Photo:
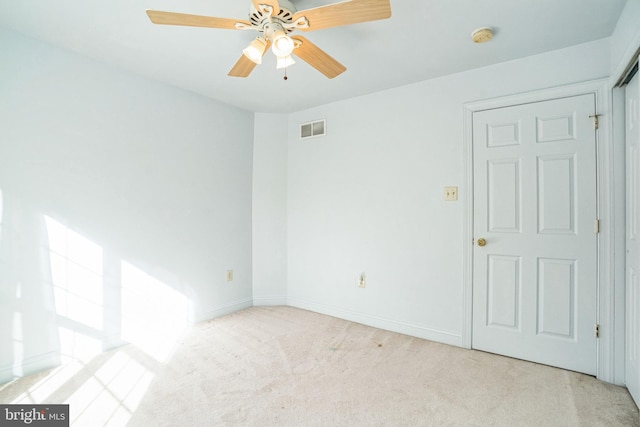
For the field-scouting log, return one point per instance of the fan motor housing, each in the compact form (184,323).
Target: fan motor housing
(259,19)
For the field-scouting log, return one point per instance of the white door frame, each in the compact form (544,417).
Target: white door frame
(608,293)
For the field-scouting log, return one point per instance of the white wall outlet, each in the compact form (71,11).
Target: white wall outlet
(450,193)
(362,281)
(229,275)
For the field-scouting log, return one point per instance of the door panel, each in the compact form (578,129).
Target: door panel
(504,291)
(534,283)
(559,128)
(556,298)
(504,196)
(556,194)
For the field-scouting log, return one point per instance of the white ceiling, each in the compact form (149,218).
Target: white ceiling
(423,39)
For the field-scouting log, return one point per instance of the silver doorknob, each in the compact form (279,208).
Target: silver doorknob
(481,242)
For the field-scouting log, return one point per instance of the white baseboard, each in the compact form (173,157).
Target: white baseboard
(29,366)
(270,300)
(223,310)
(419,331)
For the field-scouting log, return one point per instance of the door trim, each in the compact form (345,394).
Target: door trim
(607,345)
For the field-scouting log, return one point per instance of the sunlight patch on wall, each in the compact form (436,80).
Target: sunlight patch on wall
(18,341)
(154,315)
(77,278)
(104,389)
(75,345)
(76,274)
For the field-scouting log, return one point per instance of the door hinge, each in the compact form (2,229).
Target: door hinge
(596,226)
(595,120)
(597,330)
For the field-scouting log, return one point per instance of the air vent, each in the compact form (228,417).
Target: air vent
(313,129)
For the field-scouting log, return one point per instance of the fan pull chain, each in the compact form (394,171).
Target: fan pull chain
(285,74)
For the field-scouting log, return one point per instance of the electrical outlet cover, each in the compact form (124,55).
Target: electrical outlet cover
(451,193)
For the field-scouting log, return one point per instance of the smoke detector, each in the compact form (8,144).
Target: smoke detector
(482,35)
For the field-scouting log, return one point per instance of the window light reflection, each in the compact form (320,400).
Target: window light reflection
(154,315)
(76,274)
(18,343)
(139,309)
(75,345)
(44,388)
(112,394)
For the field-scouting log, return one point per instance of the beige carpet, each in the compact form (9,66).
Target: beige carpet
(281,366)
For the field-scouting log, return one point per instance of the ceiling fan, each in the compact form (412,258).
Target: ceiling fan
(275,20)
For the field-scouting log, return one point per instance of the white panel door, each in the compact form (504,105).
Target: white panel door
(632,340)
(534,281)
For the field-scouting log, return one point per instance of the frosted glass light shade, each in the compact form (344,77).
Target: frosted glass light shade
(255,50)
(284,61)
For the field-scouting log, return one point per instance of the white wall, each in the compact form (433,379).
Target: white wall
(270,209)
(368,197)
(155,177)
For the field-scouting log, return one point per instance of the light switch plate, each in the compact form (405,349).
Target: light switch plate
(450,193)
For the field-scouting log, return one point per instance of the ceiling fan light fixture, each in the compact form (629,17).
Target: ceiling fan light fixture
(275,20)
(284,62)
(282,44)
(255,50)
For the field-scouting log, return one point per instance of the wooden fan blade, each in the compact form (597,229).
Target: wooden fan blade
(318,58)
(273,3)
(345,13)
(172,18)
(244,66)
